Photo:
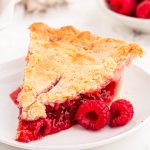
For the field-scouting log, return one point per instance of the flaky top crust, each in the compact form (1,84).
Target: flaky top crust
(64,62)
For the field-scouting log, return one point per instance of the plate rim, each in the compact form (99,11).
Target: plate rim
(80,146)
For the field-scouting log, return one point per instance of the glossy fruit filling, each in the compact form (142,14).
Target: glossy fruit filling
(61,116)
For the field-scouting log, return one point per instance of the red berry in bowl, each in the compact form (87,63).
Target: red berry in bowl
(139,1)
(121,112)
(143,10)
(93,115)
(125,7)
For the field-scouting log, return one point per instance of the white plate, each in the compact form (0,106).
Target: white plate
(135,87)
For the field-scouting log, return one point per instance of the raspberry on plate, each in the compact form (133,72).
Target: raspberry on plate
(143,10)
(121,112)
(93,115)
(125,7)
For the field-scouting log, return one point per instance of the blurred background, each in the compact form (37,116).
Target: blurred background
(17,15)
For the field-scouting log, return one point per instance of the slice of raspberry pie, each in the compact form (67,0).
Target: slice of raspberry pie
(64,68)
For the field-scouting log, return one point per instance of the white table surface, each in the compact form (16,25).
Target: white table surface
(85,15)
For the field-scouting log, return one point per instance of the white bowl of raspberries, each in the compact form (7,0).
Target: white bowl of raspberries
(132,13)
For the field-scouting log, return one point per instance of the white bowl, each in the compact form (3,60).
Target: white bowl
(138,24)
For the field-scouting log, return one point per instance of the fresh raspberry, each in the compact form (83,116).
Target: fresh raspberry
(121,112)
(125,7)
(93,115)
(139,1)
(143,10)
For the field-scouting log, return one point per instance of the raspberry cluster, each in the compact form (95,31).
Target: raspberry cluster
(95,114)
(136,8)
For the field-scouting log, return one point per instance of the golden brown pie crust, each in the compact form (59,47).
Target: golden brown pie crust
(64,62)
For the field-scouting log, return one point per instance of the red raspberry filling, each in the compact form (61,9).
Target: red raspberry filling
(14,95)
(60,116)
